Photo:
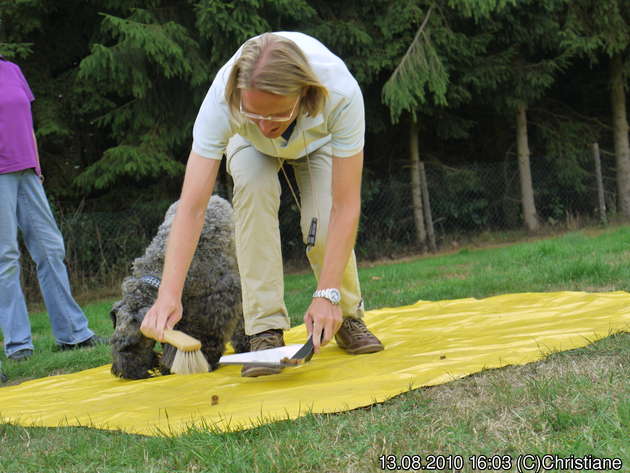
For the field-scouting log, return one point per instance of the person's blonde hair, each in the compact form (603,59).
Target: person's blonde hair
(276,65)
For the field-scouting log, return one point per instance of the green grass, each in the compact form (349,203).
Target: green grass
(572,403)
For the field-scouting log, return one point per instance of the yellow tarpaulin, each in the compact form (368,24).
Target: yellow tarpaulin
(427,343)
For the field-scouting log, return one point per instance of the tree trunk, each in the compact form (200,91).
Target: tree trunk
(620,131)
(601,201)
(416,186)
(428,215)
(525,173)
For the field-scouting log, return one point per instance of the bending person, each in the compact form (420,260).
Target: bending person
(282,98)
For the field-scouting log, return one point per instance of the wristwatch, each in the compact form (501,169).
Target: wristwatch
(331,294)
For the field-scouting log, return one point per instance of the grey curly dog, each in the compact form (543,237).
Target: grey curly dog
(211,298)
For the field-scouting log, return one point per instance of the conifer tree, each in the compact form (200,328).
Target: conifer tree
(153,65)
(600,30)
(436,73)
(420,68)
(522,62)
(145,68)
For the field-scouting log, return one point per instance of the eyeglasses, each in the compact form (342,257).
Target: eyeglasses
(269,118)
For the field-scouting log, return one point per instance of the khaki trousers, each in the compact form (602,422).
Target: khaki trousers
(256,202)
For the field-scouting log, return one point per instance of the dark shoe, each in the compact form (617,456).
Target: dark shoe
(93,341)
(263,341)
(356,339)
(21,355)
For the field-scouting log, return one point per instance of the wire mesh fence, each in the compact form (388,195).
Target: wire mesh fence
(465,200)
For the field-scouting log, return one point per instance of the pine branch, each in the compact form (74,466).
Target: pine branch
(412,46)
(419,70)
(16,50)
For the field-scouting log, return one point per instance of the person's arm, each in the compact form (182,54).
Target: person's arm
(201,174)
(29,94)
(324,318)
(39,166)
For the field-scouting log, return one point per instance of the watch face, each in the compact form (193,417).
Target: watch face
(335,296)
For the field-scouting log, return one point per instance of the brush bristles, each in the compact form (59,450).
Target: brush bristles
(189,362)
(188,358)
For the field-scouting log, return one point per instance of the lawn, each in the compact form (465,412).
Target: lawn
(572,403)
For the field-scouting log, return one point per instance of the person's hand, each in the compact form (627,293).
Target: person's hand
(163,315)
(322,319)
(41,178)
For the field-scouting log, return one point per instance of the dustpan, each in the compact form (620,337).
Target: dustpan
(281,357)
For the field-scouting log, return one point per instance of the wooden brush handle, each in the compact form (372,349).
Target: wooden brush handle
(181,341)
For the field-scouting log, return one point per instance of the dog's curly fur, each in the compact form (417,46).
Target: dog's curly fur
(211,298)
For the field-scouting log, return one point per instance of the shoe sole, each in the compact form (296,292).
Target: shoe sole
(255,371)
(20,358)
(89,343)
(363,349)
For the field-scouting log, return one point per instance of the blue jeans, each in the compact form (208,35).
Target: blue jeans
(23,205)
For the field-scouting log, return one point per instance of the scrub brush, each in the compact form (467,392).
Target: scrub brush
(188,359)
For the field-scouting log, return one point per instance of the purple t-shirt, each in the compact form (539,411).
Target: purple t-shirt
(17,146)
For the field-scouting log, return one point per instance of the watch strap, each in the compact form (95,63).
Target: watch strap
(331,294)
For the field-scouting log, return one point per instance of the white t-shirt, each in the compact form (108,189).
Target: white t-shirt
(340,124)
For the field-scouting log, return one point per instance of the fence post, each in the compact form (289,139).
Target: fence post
(600,184)
(427,208)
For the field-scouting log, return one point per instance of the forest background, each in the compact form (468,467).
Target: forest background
(482,115)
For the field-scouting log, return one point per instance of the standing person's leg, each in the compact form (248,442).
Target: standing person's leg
(45,244)
(314,176)
(14,321)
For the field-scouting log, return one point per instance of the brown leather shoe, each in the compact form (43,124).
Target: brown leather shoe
(355,338)
(263,341)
